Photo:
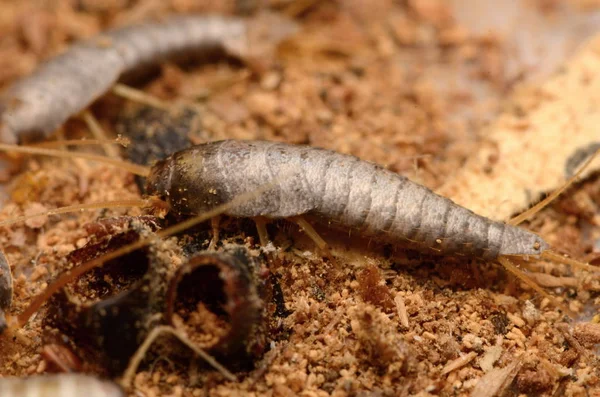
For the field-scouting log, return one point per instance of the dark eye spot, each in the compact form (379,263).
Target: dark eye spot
(536,245)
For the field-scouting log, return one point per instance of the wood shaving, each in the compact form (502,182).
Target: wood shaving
(459,363)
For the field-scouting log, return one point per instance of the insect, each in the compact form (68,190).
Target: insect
(343,191)
(300,182)
(6,289)
(337,188)
(66,385)
(37,105)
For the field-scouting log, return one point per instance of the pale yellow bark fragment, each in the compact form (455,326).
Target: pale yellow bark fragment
(495,381)
(401,308)
(531,147)
(458,363)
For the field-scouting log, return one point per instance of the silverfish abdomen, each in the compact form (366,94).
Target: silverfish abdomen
(337,188)
(38,104)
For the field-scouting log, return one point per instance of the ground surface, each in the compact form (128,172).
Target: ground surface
(410,85)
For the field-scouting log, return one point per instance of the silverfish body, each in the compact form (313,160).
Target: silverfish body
(38,104)
(336,188)
(6,289)
(63,385)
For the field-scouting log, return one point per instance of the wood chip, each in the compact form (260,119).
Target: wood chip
(588,334)
(516,320)
(458,363)
(494,382)
(490,357)
(401,307)
(566,331)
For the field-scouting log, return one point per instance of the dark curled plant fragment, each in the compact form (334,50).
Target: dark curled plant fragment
(111,226)
(215,299)
(156,133)
(107,312)
(104,316)
(6,289)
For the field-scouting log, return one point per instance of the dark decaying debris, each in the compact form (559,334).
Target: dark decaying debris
(587,333)
(277,299)
(534,381)
(6,289)
(500,322)
(106,313)
(383,351)
(216,298)
(372,288)
(156,133)
(579,157)
(111,226)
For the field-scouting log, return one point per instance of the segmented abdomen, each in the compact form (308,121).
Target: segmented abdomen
(64,385)
(67,84)
(339,189)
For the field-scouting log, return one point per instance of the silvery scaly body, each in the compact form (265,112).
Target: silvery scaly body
(63,385)
(38,104)
(337,188)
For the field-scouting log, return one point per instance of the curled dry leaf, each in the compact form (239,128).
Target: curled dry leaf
(215,297)
(106,312)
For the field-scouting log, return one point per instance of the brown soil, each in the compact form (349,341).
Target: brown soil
(407,84)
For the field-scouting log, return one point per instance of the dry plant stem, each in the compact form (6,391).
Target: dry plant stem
(315,237)
(98,133)
(216,231)
(120,140)
(130,167)
(508,265)
(311,232)
(138,96)
(549,281)
(554,257)
(137,358)
(458,363)
(539,206)
(261,229)
(82,207)
(566,331)
(72,274)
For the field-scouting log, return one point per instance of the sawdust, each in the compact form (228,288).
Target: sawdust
(528,150)
(403,84)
